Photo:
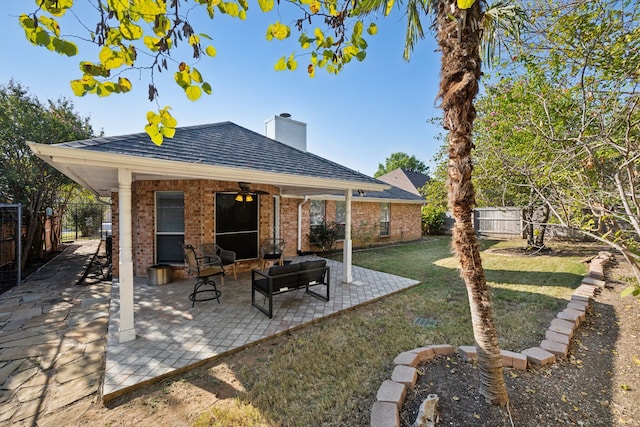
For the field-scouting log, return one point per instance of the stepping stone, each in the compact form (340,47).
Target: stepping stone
(538,356)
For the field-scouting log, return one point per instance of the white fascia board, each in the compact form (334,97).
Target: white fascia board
(69,156)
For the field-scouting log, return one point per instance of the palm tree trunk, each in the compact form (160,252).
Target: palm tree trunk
(460,74)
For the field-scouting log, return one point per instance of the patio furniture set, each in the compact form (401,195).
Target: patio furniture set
(209,261)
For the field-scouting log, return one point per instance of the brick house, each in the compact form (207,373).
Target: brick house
(226,184)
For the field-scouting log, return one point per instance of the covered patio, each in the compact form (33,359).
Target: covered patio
(171,336)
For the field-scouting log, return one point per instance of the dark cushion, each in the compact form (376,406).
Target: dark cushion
(284,282)
(312,276)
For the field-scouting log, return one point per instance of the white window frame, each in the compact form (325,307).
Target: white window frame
(158,233)
(385,219)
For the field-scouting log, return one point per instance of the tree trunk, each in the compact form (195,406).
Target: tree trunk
(460,73)
(542,230)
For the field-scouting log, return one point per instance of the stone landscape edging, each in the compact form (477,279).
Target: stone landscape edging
(385,411)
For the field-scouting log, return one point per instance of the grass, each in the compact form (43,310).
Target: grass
(328,373)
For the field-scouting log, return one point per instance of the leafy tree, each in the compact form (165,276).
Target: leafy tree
(24,178)
(401,161)
(461,26)
(574,145)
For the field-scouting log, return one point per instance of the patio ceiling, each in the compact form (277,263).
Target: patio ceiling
(98,171)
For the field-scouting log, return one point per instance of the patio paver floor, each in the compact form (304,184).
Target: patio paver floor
(172,336)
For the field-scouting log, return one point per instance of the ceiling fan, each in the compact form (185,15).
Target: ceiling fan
(245,194)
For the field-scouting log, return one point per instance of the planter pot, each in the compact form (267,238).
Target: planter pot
(159,274)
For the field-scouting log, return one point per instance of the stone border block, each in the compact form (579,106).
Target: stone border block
(593,282)
(405,375)
(426,353)
(384,414)
(559,349)
(578,305)
(442,349)
(468,352)
(557,337)
(538,356)
(391,391)
(408,359)
(511,359)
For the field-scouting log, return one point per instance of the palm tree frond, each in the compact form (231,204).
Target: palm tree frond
(501,21)
(415,31)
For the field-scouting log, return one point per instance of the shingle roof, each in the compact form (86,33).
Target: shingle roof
(417,179)
(394,193)
(224,144)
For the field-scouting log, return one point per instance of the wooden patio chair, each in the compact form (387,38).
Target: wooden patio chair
(203,271)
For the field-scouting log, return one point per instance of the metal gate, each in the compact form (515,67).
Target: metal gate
(10,246)
(86,220)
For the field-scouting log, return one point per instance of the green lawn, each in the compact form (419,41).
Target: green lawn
(328,374)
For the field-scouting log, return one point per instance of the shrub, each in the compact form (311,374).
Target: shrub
(433,219)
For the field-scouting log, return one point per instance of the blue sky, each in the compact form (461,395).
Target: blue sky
(357,118)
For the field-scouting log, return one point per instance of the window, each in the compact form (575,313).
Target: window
(237,225)
(341,218)
(317,213)
(385,219)
(169,226)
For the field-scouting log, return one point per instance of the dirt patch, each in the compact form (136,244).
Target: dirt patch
(598,384)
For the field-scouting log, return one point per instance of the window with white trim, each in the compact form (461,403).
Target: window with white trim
(385,219)
(169,226)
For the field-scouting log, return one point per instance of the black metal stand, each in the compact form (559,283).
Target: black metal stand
(211,291)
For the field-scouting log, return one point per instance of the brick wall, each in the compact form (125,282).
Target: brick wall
(199,200)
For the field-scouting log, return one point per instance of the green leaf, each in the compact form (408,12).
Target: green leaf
(206,87)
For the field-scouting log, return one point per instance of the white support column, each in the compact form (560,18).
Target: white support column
(127,328)
(346,250)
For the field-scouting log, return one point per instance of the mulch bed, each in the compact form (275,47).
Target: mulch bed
(597,385)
